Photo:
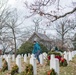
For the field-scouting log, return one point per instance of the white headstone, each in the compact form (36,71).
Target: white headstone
(75,52)
(65,55)
(5,57)
(52,61)
(33,63)
(44,55)
(72,53)
(34,67)
(9,62)
(56,66)
(1,56)
(13,57)
(25,58)
(41,59)
(31,59)
(18,62)
(22,55)
(18,56)
(29,55)
(70,56)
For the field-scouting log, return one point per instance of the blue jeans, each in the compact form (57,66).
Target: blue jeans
(37,56)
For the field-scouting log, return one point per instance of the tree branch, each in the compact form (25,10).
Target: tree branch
(55,16)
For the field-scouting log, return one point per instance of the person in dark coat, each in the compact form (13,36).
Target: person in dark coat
(36,50)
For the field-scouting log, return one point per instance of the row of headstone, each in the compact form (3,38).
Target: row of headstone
(54,63)
(18,61)
(69,55)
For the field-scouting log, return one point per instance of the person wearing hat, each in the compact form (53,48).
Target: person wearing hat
(36,50)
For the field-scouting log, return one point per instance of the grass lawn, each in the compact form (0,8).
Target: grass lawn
(69,70)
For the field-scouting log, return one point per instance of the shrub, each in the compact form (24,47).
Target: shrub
(48,62)
(44,49)
(51,72)
(63,62)
(61,50)
(5,65)
(55,53)
(14,69)
(23,73)
(27,47)
(29,69)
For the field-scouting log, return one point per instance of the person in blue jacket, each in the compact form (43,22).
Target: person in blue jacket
(36,50)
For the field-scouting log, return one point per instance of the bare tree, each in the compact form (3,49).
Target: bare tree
(4,15)
(5,43)
(12,24)
(63,28)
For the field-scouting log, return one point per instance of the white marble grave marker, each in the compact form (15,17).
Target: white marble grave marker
(65,55)
(56,66)
(29,55)
(52,61)
(13,57)
(41,59)
(22,55)
(31,59)
(18,62)
(9,62)
(70,56)
(5,57)
(33,63)
(25,58)
(44,55)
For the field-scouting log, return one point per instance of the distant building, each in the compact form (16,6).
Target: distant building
(41,38)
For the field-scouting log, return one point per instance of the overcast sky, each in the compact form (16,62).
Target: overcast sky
(19,4)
